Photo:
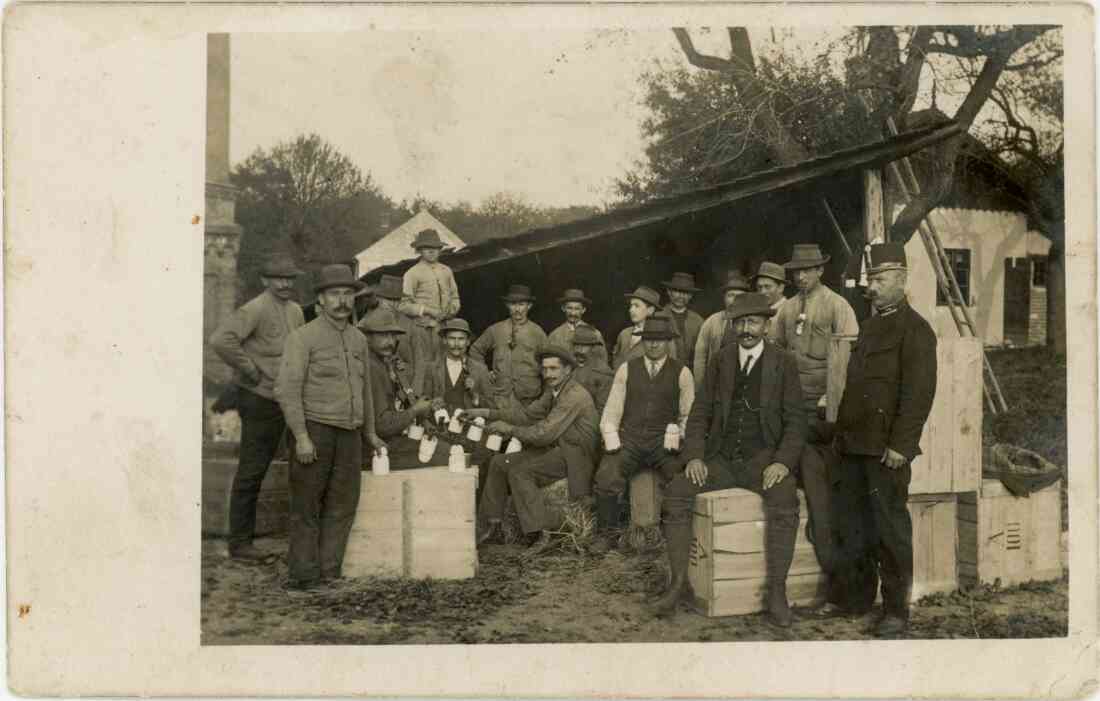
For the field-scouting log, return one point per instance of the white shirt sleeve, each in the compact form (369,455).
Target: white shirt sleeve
(616,400)
(687,397)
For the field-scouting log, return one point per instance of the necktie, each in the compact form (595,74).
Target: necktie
(652,370)
(747,365)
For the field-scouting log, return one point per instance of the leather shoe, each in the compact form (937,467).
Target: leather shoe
(891,626)
(492,535)
(541,544)
(779,613)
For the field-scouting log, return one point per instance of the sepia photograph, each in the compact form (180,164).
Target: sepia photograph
(634,335)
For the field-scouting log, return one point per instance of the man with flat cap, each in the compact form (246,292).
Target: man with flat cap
(888,395)
(508,348)
(559,437)
(681,289)
(648,395)
(642,303)
(430,293)
(251,342)
(717,330)
(574,304)
(745,430)
(592,373)
(408,362)
(324,389)
(770,281)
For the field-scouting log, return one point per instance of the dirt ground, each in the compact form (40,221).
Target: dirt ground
(558,598)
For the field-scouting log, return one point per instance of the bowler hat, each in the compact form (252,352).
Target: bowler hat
(684,282)
(885,256)
(585,335)
(553,350)
(647,294)
(518,293)
(380,320)
(428,238)
(389,287)
(280,265)
(455,324)
(658,327)
(736,281)
(806,255)
(771,270)
(572,295)
(750,304)
(336,275)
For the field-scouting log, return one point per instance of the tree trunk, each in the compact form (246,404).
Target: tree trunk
(1056,296)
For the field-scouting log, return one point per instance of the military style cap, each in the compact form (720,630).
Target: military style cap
(885,256)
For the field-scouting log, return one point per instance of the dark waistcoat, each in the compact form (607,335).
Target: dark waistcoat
(651,404)
(744,437)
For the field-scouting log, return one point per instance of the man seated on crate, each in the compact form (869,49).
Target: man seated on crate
(558,432)
(650,396)
(746,429)
(592,371)
(396,406)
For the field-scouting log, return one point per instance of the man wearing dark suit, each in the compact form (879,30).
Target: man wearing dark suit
(888,395)
(746,429)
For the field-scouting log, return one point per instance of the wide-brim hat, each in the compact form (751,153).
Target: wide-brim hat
(647,294)
(585,335)
(380,320)
(280,266)
(750,304)
(518,293)
(390,287)
(771,270)
(806,255)
(455,324)
(573,295)
(736,281)
(427,238)
(885,256)
(553,350)
(658,327)
(337,275)
(684,282)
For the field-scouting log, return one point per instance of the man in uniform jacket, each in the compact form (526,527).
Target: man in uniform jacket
(396,406)
(888,395)
(643,303)
(648,395)
(512,344)
(591,373)
(410,362)
(746,429)
(681,288)
(770,281)
(324,390)
(559,437)
(574,304)
(717,330)
(430,294)
(251,342)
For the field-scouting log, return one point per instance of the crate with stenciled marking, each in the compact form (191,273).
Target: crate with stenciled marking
(1013,539)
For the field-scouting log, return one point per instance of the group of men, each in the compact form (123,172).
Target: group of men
(734,400)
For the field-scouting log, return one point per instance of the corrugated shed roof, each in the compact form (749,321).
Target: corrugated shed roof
(395,246)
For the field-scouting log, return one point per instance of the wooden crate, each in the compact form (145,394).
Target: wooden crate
(935,564)
(951,443)
(414,523)
(727,567)
(1013,539)
(272,506)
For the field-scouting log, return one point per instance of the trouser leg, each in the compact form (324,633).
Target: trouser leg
(262,427)
(780,520)
(609,484)
(889,493)
(307,487)
(495,494)
(526,481)
(855,578)
(814,478)
(341,499)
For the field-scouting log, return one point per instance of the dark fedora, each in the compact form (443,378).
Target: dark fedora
(806,255)
(389,287)
(336,275)
(380,320)
(736,281)
(553,350)
(455,324)
(750,304)
(518,293)
(585,335)
(572,295)
(684,282)
(771,270)
(428,238)
(658,327)
(647,294)
(885,256)
(280,265)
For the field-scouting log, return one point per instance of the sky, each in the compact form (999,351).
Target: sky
(553,117)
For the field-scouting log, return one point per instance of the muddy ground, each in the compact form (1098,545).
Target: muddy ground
(558,598)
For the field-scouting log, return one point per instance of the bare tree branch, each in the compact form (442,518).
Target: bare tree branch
(710,63)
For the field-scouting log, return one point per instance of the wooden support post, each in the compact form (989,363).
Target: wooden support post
(874,220)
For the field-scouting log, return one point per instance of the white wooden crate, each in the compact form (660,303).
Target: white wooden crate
(935,563)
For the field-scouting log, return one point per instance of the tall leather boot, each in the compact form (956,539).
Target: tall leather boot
(678,541)
(782,530)
(607,515)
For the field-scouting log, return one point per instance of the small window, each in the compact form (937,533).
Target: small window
(959,259)
(1039,272)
